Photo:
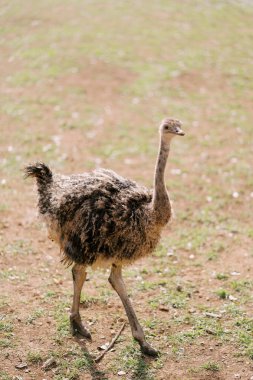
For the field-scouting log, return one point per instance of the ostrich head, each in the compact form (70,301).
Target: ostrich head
(170,128)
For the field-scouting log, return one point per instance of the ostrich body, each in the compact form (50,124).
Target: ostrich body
(101,219)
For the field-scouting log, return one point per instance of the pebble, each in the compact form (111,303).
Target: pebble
(235,273)
(232,298)
(21,366)
(212,315)
(163,308)
(103,346)
(121,373)
(49,363)
(237,376)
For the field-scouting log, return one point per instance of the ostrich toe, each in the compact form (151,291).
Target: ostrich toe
(147,349)
(77,327)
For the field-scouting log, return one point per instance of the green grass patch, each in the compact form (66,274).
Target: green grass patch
(211,366)
(34,357)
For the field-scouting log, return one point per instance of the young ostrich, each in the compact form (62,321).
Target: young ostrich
(101,219)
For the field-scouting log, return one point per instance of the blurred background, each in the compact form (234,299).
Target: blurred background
(85,84)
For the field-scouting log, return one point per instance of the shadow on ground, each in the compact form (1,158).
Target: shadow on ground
(96,374)
(141,370)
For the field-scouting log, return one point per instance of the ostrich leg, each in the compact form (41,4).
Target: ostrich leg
(118,285)
(79,276)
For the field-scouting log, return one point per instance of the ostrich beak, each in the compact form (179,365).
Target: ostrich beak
(180,132)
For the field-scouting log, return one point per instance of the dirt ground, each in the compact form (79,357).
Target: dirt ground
(85,85)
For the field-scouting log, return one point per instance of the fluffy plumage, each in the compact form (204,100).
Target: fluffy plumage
(97,218)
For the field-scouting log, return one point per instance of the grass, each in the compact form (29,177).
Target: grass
(34,357)
(73,363)
(6,326)
(222,276)
(4,375)
(35,315)
(211,366)
(222,294)
(134,364)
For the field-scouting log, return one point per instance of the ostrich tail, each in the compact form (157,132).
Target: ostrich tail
(40,171)
(44,178)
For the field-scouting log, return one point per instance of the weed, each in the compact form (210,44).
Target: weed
(5,343)
(34,357)
(4,376)
(241,285)
(211,366)
(35,315)
(222,276)
(132,360)
(6,326)
(222,294)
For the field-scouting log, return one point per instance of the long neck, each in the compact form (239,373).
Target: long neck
(161,202)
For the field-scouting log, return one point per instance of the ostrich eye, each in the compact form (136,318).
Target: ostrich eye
(166,127)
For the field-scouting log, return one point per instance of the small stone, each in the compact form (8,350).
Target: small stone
(211,332)
(21,366)
(189,245)
(213,315)
(103,346)
(237,376)
(121,373)
(49,363)
(163,308)
(75,115)
(176,171)
(232,298)
(235,273)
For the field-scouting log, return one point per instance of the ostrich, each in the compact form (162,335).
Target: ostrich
(101,219)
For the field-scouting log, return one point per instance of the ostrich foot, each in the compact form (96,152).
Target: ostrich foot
(77,327)
(147,349)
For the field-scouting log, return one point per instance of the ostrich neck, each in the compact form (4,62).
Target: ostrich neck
(161,201)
